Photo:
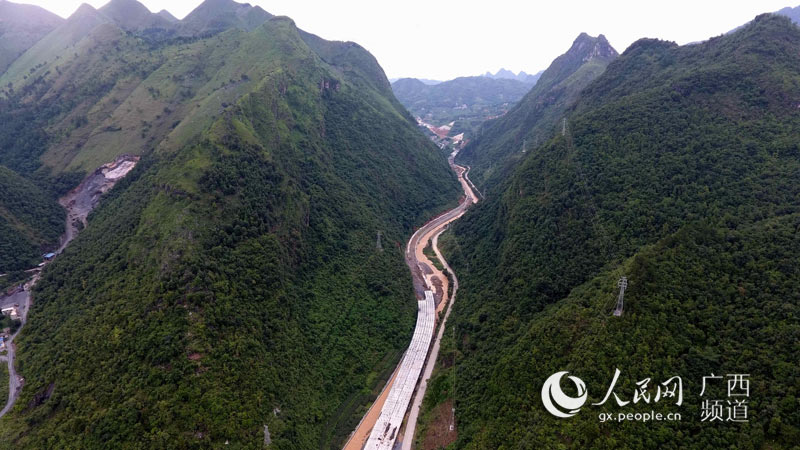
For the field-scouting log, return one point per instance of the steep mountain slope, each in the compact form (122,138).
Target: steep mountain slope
(679,170)
(213,16)
(30,221)
(52,47)
(64,88)
(232,280)
(21,26)
(467,100)
(131,15)
(88,93)
(167,15)
(105,83)
(502,142)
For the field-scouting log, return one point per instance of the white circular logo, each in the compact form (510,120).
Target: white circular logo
(554,398)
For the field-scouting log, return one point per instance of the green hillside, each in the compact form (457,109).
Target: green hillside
(214,16)
(21,26)
(133,16)
(99,86)
(679,170)
(500,144)
(30,222)
(231,281)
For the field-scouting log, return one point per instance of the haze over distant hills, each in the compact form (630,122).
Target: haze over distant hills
(21,26)
(792,13)
(509,75)
(466,100)
(500,143)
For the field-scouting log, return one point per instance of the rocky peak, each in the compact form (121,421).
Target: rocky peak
(588,48)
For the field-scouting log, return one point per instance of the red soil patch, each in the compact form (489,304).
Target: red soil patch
(438,434)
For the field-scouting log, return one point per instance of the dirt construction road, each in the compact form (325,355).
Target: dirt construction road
(426,277)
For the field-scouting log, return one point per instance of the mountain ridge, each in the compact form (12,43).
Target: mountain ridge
(234,271)
(677,169)
(509,75)
(21,26)
(503,141)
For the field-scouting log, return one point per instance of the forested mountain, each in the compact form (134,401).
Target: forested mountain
(229,289)
(467,100)
(501,143)
(679,169)
(21,26)
(421,98)
(30,222)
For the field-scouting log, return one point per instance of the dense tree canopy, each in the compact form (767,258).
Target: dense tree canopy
(679,170)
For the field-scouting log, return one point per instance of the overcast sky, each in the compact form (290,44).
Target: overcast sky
(443,39)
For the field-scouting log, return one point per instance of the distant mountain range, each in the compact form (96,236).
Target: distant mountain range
(500,143)
(23,25)
(501,74)
(466,100)
(423,80)
(792,13)
(509,75)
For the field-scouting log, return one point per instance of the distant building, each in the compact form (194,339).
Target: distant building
(49,256)
(2,343)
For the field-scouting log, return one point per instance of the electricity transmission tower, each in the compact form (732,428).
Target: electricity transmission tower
(622,283)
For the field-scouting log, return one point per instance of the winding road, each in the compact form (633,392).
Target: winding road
(380,429)
(79,202)
(23,298)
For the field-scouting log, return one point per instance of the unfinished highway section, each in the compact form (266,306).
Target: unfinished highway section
(430,286)
(386,429)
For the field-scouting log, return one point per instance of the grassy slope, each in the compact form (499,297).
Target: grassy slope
(21,27)
(683,175)
(236,275)
(89,92)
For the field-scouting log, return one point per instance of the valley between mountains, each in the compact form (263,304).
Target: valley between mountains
(224,231)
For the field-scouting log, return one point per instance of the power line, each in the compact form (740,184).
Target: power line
(623,282)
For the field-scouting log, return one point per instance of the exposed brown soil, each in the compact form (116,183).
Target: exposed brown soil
(361,434)
(80,201)
(438,434)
